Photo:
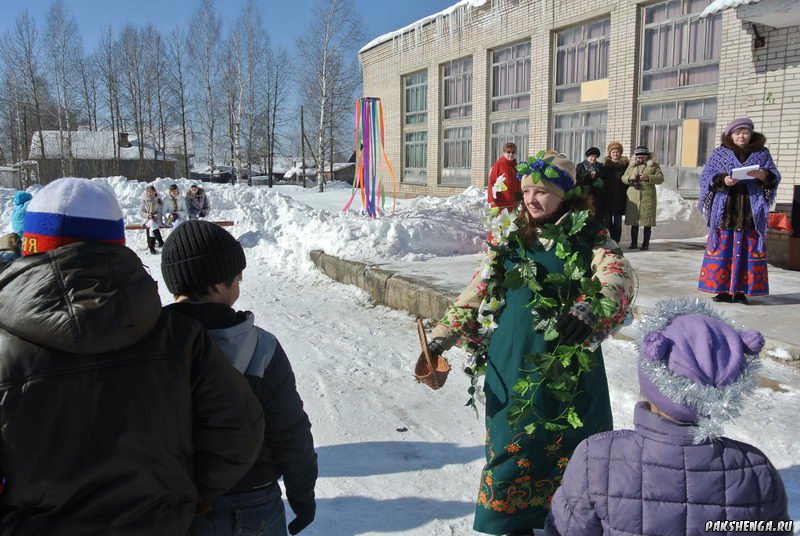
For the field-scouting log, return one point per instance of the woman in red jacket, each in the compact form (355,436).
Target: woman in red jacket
(505,192)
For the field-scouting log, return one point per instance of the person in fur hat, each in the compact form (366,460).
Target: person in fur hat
(642,175)
(735,262)
(615,197)
(523,307)
(590,174)
(675,473)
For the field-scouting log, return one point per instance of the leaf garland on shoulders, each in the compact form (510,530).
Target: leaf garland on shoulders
(558,371)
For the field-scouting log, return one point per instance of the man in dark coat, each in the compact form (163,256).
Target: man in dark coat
(116,417)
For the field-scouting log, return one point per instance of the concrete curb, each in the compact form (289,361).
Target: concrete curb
(424,301)
(385,286)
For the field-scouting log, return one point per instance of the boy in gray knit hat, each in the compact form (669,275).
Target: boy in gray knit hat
(202,265)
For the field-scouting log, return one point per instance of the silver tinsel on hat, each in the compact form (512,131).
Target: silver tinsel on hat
(715,405)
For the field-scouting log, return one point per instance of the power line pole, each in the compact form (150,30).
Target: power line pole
(302,148)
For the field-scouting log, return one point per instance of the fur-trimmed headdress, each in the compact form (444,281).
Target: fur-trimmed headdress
(695,366)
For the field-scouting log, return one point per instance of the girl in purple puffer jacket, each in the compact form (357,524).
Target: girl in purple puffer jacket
(674,474)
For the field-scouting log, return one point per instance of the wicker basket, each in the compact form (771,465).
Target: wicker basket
(430,370)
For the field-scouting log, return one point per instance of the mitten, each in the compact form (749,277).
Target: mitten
(575,326)
(304,516)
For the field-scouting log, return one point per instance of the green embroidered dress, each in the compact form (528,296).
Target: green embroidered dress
(522,472)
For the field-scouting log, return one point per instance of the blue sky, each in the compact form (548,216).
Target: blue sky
(283,19)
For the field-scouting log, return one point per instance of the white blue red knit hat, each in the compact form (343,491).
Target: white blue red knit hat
(72,210)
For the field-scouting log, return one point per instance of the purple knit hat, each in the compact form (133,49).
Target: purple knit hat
(694,365)
(739,122)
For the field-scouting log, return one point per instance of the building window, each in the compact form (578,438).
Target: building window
(457,89)
(511,78)
(581,56)
(575,132)
(514,130)
(664,128)
(415,128)
(678,48)
(456,151)
(415,163)
(416,98)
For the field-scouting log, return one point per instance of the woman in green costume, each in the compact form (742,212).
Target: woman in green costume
(552,287)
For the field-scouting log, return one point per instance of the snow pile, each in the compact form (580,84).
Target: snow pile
(289,221)
(781,353)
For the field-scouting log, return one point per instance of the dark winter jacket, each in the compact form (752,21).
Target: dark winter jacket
(655,481)
(288,449)
(593,187)
(115,417)
(614,190)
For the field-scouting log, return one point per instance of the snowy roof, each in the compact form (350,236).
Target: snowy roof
(721,5)
(456,10)
(99,145)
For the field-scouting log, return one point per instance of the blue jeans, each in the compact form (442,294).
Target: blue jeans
(251,513)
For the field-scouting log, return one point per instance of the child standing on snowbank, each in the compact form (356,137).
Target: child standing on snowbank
(151,211)
(202,266)
(674,473)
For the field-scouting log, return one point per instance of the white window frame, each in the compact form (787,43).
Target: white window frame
(654,132)
(517,68)
(681,62)
(457,89)
(415,90)
(456,155)
(503,131)
(415,157)
(594,52)
(579,135)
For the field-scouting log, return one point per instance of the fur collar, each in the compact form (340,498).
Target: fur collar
(757,142)
(623,162)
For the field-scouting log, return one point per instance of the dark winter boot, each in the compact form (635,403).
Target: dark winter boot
(646,242)
(634,237)
(723,297)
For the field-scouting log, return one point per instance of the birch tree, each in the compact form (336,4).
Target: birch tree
(21,55)
(327,52)
(178,87)
(203,51)
(105,64)
(64,51)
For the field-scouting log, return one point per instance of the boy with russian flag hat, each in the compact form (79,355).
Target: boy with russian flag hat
(72,210)
(118,417)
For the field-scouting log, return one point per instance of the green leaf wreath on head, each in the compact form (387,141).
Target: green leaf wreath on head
(557,371)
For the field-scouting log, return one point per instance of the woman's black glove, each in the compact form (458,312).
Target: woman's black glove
(435,348)
(575,326)
(305,515)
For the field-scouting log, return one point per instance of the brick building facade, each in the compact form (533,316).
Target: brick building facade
(571,74)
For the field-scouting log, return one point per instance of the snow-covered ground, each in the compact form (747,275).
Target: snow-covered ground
(394,456)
